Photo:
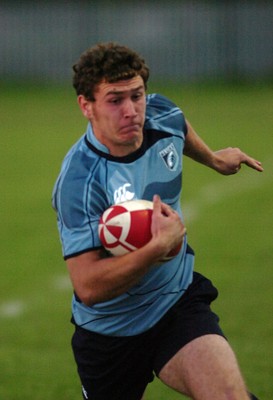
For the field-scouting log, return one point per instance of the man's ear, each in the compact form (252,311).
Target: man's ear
(85,106)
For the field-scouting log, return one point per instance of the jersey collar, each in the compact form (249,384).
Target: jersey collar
(94,141)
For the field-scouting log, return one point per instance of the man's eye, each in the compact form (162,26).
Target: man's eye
(137,96)
(115,101)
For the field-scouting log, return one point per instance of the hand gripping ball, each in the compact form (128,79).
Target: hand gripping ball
(126,227)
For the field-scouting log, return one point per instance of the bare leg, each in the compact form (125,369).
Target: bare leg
(205,369)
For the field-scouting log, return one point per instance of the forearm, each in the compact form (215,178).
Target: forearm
(226,161)
(97,279)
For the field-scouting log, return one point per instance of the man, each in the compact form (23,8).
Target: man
(133,315)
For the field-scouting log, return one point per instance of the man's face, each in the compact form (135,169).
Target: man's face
(117,115)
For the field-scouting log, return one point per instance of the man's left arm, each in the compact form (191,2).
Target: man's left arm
(226,161)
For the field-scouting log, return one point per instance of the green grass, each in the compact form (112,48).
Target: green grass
(229,220)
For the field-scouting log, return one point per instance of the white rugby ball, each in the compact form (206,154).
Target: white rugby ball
(126,227)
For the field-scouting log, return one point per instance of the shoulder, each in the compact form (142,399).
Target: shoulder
(164,114)
(78,161)
(78,174)
(160,102)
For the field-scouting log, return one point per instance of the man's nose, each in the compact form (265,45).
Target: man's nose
(129,109)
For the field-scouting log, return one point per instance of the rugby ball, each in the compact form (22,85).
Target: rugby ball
(126,227)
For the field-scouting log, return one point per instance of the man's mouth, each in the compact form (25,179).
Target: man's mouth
(131,127)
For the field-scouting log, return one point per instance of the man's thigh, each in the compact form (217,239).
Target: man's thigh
(205,368)
(190,318)
(112,368)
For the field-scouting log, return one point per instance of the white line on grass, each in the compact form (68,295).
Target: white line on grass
(62,282)
(15,308)
(228,187)
(12,309)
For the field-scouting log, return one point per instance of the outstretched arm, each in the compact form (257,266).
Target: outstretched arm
(226,161)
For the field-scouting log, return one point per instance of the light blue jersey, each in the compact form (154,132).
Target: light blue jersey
(91,180)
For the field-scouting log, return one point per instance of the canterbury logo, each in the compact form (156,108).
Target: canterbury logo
(123,194)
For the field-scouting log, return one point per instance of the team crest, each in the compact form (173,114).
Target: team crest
(170,157)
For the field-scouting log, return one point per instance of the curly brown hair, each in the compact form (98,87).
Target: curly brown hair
(108,62)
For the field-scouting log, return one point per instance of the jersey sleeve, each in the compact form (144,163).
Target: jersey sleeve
(79,200)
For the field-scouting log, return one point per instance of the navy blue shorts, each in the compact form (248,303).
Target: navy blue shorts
(120,368)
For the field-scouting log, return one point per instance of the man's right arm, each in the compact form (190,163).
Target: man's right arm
(96,279)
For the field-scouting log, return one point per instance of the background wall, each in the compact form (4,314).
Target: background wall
(185,40)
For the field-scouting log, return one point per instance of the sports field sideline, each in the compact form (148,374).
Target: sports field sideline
(229,222)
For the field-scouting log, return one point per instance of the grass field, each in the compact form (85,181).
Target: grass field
(229,221)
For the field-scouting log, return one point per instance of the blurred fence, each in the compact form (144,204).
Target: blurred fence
(186,40)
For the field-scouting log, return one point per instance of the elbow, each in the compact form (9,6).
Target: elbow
(87,297)
(90,297)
